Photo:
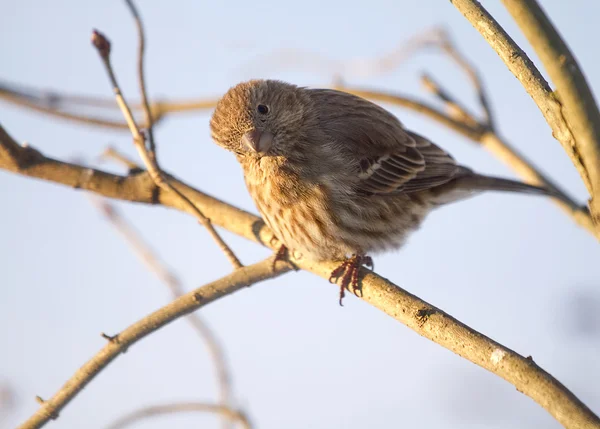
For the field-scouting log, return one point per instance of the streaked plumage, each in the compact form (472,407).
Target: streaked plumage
(334,175)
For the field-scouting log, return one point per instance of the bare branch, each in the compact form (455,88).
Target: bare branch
(142,79)
(68,106)
(112,153)
(450,49)
(406,308)
(358,67)
(43,104)
(417,106)
(183,305)
(491,139)
(103,46)
(455,109)
(178,408)
(156,266)
(572,90)
(579,137)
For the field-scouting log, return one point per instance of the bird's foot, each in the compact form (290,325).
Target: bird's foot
(348,270)
(282,255)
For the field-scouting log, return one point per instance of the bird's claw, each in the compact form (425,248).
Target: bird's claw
(348,270)
(282,254)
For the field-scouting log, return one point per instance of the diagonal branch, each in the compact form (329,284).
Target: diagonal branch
(103,46)
(418,315)
(579,107)
(156,266)
(577,131)
(117,344)
(450,49)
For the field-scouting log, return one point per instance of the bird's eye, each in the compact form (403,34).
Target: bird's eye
(262,109)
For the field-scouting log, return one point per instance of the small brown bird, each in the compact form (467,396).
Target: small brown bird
(335,176)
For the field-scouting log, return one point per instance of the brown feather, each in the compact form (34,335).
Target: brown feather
(342,176)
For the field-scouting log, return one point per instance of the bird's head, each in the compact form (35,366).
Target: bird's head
(261,118)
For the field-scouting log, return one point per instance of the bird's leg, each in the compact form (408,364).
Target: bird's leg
(281,254)
(349,269)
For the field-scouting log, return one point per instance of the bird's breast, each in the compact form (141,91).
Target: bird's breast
(324,225)
(297,211)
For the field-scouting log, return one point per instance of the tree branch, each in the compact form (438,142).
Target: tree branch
(148,156)
(55,104)
(119,343)
(582,145)
(156,266)
(37,101)
(418,315)
(579,107)
(142,78)
(177,408)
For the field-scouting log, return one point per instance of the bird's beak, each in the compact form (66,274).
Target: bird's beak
(258,141)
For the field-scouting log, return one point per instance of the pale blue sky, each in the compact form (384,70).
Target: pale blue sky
(510,266)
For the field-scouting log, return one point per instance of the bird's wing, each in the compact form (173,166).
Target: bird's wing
(389,158)
(416,167)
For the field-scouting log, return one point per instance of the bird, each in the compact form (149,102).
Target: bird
(337,177)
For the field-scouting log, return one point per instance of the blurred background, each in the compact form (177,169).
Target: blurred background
(513,267)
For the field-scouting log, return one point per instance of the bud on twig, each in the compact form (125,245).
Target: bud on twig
(101,43)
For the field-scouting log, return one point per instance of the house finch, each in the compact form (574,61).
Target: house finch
(335,176)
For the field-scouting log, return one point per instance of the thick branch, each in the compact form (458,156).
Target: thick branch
(578,104)
(119,343)
(536,86)
(408,309)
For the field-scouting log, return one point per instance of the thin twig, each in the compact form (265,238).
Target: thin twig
(408,309)
(357,67)
(103,46)
(55,104)
(191,301)
(449,48)
(455,109)
(112,153)
(41,105)
(178,408)
(142,79)
(153,262)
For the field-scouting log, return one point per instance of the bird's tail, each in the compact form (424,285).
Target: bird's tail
(472,184)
